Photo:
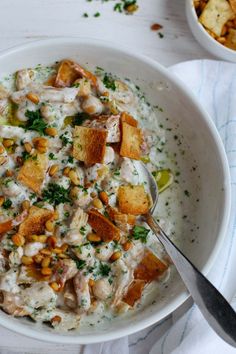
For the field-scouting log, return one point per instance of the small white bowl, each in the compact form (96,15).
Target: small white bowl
(203,37)
(204,148)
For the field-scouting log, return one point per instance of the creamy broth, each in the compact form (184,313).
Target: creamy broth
(69,274)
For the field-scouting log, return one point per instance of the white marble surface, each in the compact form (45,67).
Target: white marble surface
(27,20)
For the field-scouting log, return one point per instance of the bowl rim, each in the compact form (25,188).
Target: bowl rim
(226,197)
(225,50)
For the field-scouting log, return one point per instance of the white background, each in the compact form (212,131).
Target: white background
(23,21)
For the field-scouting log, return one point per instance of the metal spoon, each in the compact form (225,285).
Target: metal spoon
(214,307)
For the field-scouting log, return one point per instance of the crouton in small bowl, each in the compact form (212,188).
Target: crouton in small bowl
(213,24)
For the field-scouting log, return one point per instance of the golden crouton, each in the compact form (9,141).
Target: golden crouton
(127,118)
(121,220)
(231,39)
(215,14)
(133,200)
(149,268)
(66,74)
(89,144)
(131,141)
(103,226)
(34,224)
(69,71)
(32,173)
(134,292)
(233,5)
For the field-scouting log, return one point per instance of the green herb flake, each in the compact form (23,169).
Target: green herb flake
(55,194)
(109,82)
(104,269)
(140,233)
(7,204)
(35,121)
(52,156)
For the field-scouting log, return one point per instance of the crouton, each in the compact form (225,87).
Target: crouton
(131,141)
(122,221)
(89,144)
(134,292)
(215,14)
(32,173)
(127,118)
(233,5)
(66,74)
(34,224)
(231,39)
(133,200)
(109,123)
(150,267)
(103,226)
(69,71)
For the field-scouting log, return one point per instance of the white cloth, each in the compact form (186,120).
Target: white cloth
(185,331)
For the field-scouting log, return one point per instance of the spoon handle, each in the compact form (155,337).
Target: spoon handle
(214,307)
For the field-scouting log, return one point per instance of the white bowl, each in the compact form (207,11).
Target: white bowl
(204,38)
(203,144)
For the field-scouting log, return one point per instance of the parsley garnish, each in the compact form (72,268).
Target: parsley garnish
(104,269)
(65,140)
(35,121)
(25,155)
(56,194)
(79,118)
(70,159)
(80,263)
(7,204)
(51,156)
(109,82)
(140,233)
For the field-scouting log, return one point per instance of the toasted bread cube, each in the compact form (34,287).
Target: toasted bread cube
(69,71)
(89,144)
(33,172)
(66,74)
(231,39)
(127,118)
(34,224)
(122,221)
(133,200)
(134,292)
(233,5)
(103,226)
(131,141)
(215,14)
(150,267)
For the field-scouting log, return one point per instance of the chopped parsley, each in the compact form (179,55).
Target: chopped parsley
(140,233)
(65,140)
(79,118)
(52,156)
(25,155)
(70,159)
(7,204)
(80,263)
(82,230)
(35,121)
(97,14)
(109,82)
(55,194)
(104,269)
